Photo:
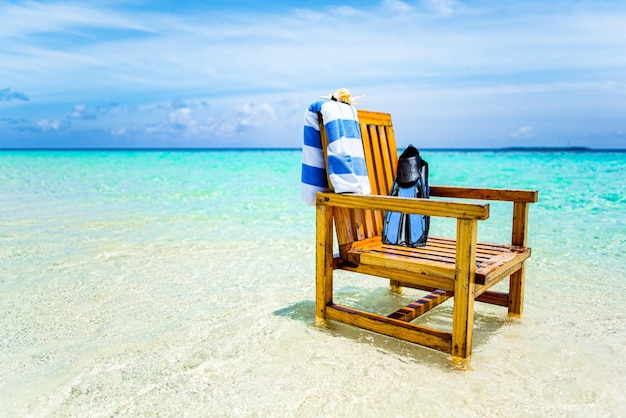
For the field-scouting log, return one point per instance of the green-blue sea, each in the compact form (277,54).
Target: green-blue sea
(182,283)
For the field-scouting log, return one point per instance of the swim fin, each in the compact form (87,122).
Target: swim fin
(411,180)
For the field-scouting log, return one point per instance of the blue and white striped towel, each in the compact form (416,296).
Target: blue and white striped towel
(346,160)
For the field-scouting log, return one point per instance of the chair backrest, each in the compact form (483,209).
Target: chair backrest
(381,157)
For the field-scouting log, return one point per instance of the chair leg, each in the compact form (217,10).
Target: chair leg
(462,323)
(464,293)
(395,287)
(516,281)
(516,292)
(323,264)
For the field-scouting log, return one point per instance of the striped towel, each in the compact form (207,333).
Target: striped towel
(346,160)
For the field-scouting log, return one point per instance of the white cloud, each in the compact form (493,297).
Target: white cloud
(182,118)
(253,115)
(49,125)
(78,111)
(524,132)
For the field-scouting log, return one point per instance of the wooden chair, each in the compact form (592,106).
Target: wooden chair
(460,268)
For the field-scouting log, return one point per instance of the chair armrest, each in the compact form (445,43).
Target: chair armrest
(427,207)
(509,195)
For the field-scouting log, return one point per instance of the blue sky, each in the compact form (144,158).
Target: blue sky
(463,74)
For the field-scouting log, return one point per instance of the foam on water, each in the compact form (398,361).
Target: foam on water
(171,283)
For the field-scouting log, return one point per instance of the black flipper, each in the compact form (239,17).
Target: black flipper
(411,181)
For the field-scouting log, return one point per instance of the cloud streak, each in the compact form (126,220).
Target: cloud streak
(292,51)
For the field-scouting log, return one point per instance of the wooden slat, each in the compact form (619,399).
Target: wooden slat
(405,205)
(423,287)
(368,145)
(374,118)
(385,260)
(429,337)
(505,265)
(375,158)
(428,253)
(390,162)
(370,223)
(382,160)
(392,151)
(408,278)
(422,305)
(494,298)
(358,222)
(509,195)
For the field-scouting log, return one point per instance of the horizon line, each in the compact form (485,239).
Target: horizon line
(190,149)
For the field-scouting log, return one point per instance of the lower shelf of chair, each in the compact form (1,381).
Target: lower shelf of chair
(434,264)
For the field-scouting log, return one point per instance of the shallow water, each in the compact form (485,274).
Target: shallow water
(182,283)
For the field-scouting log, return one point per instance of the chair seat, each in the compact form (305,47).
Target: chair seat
(437,259)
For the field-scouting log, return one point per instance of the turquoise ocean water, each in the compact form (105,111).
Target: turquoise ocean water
(177,283)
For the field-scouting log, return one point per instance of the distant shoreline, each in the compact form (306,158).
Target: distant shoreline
(504,149)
